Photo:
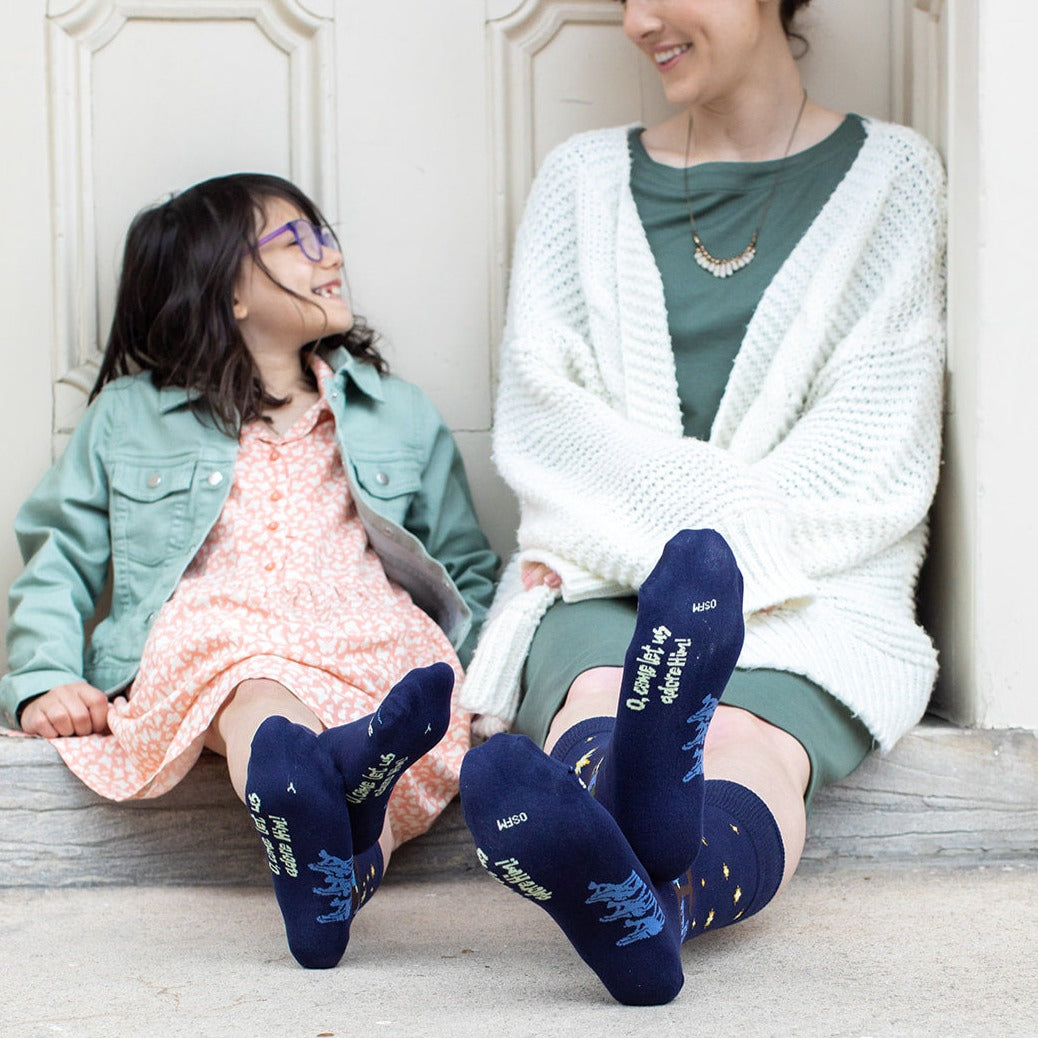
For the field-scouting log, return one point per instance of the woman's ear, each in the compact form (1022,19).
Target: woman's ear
(240,310)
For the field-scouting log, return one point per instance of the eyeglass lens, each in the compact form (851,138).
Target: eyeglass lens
(311,239)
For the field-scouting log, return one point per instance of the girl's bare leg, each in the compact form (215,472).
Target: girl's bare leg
(251,703)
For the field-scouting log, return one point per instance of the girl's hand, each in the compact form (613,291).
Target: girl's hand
(75,709)
(534,573)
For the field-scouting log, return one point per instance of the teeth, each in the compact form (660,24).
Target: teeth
(327,292)
(664,56)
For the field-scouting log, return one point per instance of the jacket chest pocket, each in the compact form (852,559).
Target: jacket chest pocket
(150,510)
(392,483)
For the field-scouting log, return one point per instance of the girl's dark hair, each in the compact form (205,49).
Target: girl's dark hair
(174,308)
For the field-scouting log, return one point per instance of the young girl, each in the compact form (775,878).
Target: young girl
(289,531)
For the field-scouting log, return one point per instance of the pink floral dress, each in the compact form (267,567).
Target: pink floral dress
(285,587)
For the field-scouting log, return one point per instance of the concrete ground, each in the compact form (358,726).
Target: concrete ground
(850,953)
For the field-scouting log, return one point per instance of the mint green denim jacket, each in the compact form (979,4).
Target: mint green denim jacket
(143,481)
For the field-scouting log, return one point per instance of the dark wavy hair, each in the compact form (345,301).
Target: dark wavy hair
(787,12)
(174,308)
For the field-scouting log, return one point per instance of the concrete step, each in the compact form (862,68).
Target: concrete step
(944,795)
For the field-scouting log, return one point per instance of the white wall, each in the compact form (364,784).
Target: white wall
(983,599)
(418,126)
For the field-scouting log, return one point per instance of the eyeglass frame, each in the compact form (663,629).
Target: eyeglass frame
(322,237)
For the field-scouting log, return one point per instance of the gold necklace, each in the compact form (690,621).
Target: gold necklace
(723,268)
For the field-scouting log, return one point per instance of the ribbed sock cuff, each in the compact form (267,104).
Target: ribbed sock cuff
(580,733)
(758,825)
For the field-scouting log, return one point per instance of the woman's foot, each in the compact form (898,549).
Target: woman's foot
(687,640)
(539,833)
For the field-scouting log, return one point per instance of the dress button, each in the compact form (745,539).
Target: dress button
(215,479)
(154,480)
(381,478)
(274,455)
(270,567)
(273,524)
(276,496)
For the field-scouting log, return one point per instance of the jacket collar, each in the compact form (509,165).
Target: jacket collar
(345,367)
(173,397)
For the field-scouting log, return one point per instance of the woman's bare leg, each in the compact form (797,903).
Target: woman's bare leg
(740,748)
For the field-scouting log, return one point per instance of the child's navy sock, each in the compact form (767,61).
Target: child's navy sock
(739,865)
(368,867)
(686,643)
(298,804)
(539,833)
(373,752)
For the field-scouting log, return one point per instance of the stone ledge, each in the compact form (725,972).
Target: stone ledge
(944,795)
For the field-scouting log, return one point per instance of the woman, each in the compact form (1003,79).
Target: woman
(730,322)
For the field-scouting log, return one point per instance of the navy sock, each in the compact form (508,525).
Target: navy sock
(297,800)
(539,833)
(373,752)
(581,747)
(368,868)
(686,643)
(739,865)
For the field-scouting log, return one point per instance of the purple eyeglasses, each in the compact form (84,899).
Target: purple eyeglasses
(313,240)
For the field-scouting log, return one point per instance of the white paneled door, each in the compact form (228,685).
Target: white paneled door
(416,125)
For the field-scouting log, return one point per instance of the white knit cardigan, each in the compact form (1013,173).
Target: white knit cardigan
(823,457)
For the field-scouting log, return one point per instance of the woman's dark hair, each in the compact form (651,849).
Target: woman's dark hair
(174,309)
(788,12)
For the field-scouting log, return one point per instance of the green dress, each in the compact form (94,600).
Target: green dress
(707,317)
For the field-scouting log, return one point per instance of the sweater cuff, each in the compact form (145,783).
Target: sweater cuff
(492,682)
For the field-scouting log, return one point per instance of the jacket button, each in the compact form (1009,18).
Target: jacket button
(381,478)
(215,479)
(154,480)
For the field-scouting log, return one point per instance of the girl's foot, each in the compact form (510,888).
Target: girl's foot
(371,754)
(297,800)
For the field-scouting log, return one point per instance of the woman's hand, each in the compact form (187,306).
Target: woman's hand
(534,573)
(75,709)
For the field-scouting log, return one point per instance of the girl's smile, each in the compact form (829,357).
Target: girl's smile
(296,299)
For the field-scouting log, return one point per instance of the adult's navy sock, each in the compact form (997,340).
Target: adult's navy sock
(373,752)
(539,832)
(297,800)
(739,865)
(687,640)
(582,746)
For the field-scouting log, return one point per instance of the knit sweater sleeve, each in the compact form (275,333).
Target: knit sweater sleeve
(826,449)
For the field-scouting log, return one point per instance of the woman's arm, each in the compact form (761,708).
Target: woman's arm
(852,472)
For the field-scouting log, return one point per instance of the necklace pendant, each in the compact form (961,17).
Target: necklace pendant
(723,268)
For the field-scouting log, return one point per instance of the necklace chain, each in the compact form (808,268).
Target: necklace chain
(723,268)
